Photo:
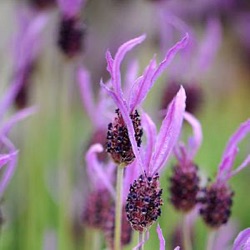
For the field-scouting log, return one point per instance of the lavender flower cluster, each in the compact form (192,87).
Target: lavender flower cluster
(127,153)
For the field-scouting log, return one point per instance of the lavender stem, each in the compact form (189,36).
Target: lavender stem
(186,233)
(141,239)
(118,207)
(211,239)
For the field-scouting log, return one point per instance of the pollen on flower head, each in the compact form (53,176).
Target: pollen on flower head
(71,34)
(109,229)
(216,205)
(184,187)
(97,208)
(118,142)
(144,202)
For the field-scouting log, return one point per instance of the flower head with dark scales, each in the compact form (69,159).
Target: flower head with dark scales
(217,197)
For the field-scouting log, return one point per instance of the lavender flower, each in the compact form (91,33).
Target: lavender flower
(71,29)
(94,107)
(243,240)
(9,153)
(199,54)
(184,186)
(124,134)
(99,210)
(99,200)
(217,201)
(144,198)
(26,48)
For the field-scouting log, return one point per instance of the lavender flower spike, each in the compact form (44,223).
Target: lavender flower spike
(144,198)
(242,241)
(184,186)
(127,106)
(217,201)
(225,167)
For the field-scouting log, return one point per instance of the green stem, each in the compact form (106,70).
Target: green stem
(186,233)
(211,239)
(118,207)
(140,240)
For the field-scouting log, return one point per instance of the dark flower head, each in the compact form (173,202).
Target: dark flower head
(144,202)
(71,29)
(127,105)
(193,91)
(97,207)
(118,143)
(101,198)
(109,229)
(184,187)
(71,35)
(43,4)
(216,202)
(216,205)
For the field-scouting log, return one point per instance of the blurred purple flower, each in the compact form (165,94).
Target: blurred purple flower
(217,201)
(10,157)
(184,186)
(71,28)
(242,242)
(26,46)
(199,54)
(128,117)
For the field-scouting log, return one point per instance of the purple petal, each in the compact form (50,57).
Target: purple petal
(70,7)
(120,103)
(131,75)
(242,241)
(116,75)
(151,132)
(169,131)
(10,169)
(169,57)
(87,94)
(95,168)
(142,86)
(194,142)
(161,238)
(27,41)
(242,166)
(177,248)
(209,46)
(110,62)
(23,114)
(225,167)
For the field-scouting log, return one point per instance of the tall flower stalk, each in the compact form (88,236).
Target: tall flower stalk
(124,134)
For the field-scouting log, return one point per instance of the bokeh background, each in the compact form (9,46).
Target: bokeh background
(43,204)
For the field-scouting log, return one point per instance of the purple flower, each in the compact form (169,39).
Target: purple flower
(9,157)
(199,54)
(126,126)
(71,28)
(217,201)
(184,186)
(99,210)
(144,198)
(97,109)
(26,45)
(243,240)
